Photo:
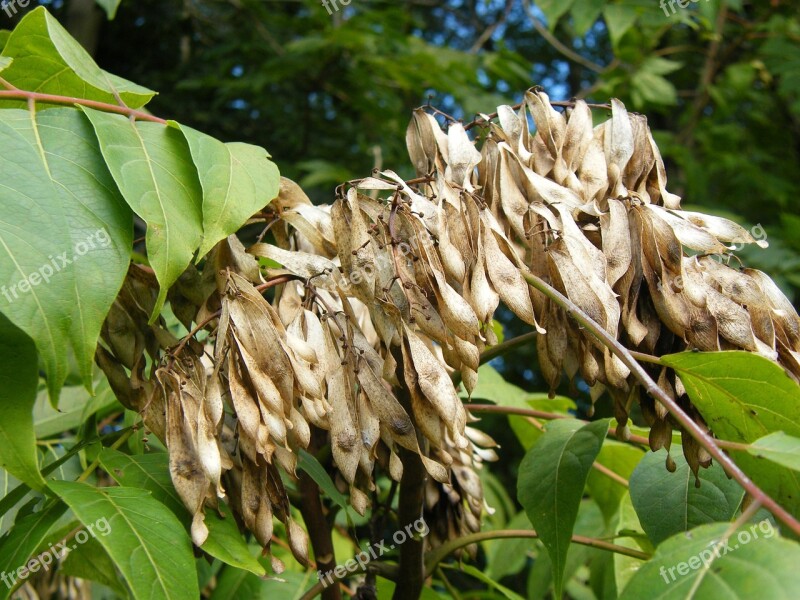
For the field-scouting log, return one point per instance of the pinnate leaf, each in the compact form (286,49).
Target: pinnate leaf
(65,237)
(551,480)
(145,540)
(18,381)
(151,472)
(153,169)
(755,563)
(237,180)
(744,397)
(47,59)
(778,448)
(668,503)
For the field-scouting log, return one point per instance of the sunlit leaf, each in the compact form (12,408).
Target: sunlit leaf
(64,239)
(145,539)
(153,168)
(47,59)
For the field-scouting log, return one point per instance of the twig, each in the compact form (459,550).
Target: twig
(409,509)
(17,94)
(489,31)
(561,103)
(438,555)
(319,530)
(96,463)
(706,79)
(449,586)
(703,438)
(538,414)
(610,474)
(553,41)
(642,357)
(499,350)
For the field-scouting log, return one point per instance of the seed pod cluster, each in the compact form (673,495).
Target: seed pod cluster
(389,290)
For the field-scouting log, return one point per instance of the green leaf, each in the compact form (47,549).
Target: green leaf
(756,563)
(146,471)
(237,180)
(75,405)
(744,397)
(527,433)
(553,10)
(779,448)
(151,472)
(660,66)
(48,60)
(552,477)
(154,171)
(507,556)
(145,540)
(540,582)
(621,459)
(65,237)
(317,472)
(226,543)
(19,378)
(235,583)
(584,14)
(629,534)
(491,386)
(668,503)
(8,485)
(24,539)
(648,87)
(386,591)
(619,19)
(110,6)
(480,576)
(90,561)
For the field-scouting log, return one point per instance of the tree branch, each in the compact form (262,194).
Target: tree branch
(438,555)
(319,530)
(553,41)
(561,103)
(409,509)
(538,414)
(17,94)
(703,438)
(489,31)
(499,350)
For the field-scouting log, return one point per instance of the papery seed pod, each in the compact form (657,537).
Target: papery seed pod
(298,541)
(415,272)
